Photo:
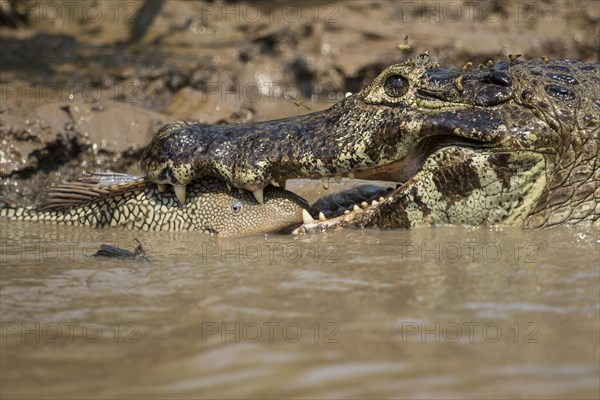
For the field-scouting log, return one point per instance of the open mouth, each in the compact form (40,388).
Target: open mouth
(350,196)
(359,196)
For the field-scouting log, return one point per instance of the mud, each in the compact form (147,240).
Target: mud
(84,84)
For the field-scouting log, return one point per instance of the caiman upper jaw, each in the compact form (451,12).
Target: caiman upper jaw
(180,192)
(258,195)
(258,189)
(307,218)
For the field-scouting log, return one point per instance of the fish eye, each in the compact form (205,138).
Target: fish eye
(236,206)
(395,85)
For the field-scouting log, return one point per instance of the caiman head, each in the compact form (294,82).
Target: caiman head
(509,143)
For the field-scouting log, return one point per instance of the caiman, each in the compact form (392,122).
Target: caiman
(129,202)
(510,143)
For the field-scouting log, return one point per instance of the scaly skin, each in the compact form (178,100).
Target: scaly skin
(512,143)
(133,203)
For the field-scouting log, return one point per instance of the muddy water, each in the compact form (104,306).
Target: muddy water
(426,313)
(446,312)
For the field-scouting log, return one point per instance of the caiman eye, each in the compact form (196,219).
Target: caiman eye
(395,85)
(236,206)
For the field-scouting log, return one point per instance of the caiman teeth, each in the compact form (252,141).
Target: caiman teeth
(306,218)
(351,175)
(322,217)
(364,204)
(162,187)
(229,187)
(259,195)
(180,193)
(356,208)
(274,182)
(338,178)
(325,181)
(374,203)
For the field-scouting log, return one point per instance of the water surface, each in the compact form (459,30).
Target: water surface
(427,313)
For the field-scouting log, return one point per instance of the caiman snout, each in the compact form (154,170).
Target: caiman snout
(347,137)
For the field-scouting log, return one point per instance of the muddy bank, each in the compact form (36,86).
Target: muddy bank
(85,84)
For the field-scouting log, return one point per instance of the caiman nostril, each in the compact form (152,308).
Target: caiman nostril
(395,85)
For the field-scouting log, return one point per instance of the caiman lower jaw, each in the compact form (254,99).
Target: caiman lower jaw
(340,208)
(400,171)
(456,186)
(323,224)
